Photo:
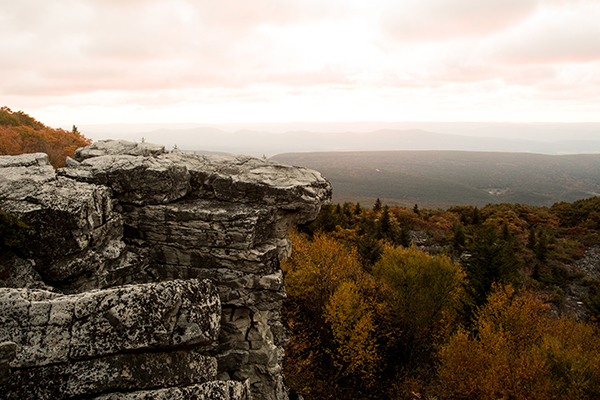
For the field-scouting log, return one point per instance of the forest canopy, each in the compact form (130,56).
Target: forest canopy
(464,303)
(20,134)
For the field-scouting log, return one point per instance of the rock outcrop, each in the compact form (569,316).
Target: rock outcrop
(149,275)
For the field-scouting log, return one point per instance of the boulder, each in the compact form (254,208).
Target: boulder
(25,174)
(74,241)
(243,179)
(65,217)
(51,328)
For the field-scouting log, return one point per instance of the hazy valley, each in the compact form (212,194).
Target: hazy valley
(444,178)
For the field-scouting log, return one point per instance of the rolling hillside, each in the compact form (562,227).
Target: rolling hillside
(444,178)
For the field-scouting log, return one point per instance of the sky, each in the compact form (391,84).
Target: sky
(70,62)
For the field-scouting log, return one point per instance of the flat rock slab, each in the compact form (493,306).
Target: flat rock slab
(120,372)
(250,180)
(144,174)
(201,223)
(216,390)
(118,147)
(24,174)
(52,328)
(134,179)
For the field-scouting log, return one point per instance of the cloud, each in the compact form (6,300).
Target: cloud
(280,53)
(70,47)
(432,20)
(557,34)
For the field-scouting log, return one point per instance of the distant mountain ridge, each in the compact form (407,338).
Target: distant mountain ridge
(260,142)
(447,178)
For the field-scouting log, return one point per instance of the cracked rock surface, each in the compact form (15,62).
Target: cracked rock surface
(51,328)
(137,258)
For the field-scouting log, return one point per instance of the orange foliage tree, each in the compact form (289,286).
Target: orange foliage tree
(20,133)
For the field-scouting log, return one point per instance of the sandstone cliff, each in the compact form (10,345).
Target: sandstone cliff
(147,274)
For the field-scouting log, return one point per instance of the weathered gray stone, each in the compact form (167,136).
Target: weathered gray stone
(590,262)
(51,328)
(74,241)
(25,160)
(120,372)
(215,390)
(63,215)
(118,147)
(145,216)
(235,288)
(201,223)
(242,179)
(20,176)
(8,351)
(134,179)
(16,272)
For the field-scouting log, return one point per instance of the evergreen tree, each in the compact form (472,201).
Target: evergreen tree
(385,223)
(531,239)
(541,247)
(459,239)
(404,236)
(506,233)
(377,206)
(476,216)
(327,220)
(347,210)
(492,261)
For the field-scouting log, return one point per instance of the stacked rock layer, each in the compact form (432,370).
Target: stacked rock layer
(148,274)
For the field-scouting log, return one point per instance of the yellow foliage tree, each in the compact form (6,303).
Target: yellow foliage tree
(317,267)
(424,295)
(332,310)
(518,350)
(353,330)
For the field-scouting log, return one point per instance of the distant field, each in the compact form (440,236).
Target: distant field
(444,178)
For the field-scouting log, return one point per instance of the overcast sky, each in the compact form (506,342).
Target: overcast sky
(100,61)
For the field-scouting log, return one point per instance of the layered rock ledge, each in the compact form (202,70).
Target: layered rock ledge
(149,275)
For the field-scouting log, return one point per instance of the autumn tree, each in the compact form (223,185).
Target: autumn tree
(20,133)
(518,350)
(423,293)
(332,311)
(368,318)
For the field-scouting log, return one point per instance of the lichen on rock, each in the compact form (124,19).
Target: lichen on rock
(137,256)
